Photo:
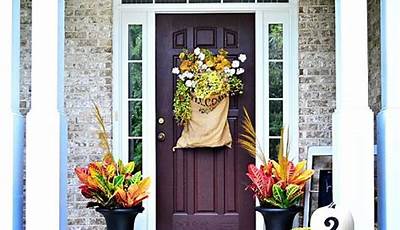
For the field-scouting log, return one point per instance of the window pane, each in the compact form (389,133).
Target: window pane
(170,1)
(275,32)
(135,42)
(275,79)
(135,80)
(203,1)
(273,148)
(238,0)
(135,153)
(135,118)
(137,1)
(275,117)
(286,1)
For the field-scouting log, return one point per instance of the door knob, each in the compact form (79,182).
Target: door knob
(161,136)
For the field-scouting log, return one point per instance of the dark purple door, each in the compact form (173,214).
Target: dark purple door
(203,188)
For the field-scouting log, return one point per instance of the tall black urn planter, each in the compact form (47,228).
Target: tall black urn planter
(278,218)
(120,218)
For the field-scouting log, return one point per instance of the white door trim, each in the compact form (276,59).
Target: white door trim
(286,13)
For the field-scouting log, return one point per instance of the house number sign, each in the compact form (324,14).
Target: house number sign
(332,218)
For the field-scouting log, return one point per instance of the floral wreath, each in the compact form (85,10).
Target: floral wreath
(203,75)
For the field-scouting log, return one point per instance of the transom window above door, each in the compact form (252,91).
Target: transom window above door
(202,1)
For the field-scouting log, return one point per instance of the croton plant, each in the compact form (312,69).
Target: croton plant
(275,184)
(111,184)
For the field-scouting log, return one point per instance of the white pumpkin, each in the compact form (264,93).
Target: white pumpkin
(332,218)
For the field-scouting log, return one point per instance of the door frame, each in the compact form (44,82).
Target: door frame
(145,14)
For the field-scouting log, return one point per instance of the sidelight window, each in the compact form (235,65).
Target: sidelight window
(275,86)
(135,74)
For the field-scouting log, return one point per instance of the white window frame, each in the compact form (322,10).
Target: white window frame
(144,14)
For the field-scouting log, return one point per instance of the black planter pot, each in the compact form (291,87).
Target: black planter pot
(120,218)
(278,218)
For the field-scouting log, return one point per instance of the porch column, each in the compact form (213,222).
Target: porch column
(353,130)
(8,108)
(389,118)
(43,121)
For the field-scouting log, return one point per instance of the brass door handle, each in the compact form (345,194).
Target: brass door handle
(161,136)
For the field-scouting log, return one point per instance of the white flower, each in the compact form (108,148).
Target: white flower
(204,66)
(239,71)
(194,84)
(226,70)
(181,77)
(202,56)
(175,70)
(242,57)
(235,64)
(196,51)
(188,83)
(232,72)
(189,75)
(199,63)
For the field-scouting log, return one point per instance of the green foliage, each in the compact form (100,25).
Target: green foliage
(276,79)
(135,80)
(108,183)
(210,84)
(276,41)
(137,155)
(284,198)
(275,184)
(135,42)
(182,107)
(235,85)
(275,122)
(135,116)
(203,74)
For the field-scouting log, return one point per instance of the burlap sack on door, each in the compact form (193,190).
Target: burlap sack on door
(208,126)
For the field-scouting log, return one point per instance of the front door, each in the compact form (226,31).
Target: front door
(203,188)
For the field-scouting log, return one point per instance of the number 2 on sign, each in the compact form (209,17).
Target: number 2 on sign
(332,221)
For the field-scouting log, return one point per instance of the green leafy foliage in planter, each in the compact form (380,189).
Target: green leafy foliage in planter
(279,183)
(111,184)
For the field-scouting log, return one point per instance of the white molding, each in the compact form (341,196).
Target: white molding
(145,15)
(260,92)
(6,114)
(149,143)
(117,82)
(205,7)
(43,121)
(312,152)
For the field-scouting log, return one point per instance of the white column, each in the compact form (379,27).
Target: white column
(43,126)
(353,131)
(389,118)
(6,115)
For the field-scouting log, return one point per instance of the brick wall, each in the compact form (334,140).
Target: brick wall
(88,77)
(25,61)
(25,58)
(374,58)
(317,73)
